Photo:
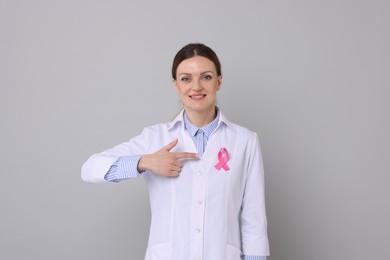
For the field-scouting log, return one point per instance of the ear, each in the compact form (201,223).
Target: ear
(219,82)
(174,82)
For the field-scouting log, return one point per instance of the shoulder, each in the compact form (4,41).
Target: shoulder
(165,127)
(240,131)
(243,130)
(156,128)
(245,136)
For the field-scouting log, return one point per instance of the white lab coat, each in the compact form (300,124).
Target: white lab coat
(203,213)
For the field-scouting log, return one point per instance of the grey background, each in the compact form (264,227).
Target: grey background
(310,77)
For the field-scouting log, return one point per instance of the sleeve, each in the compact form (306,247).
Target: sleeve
(254,257)
(253,216)
(97,166)
(123,168)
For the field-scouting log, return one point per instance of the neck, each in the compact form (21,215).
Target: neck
(201,119)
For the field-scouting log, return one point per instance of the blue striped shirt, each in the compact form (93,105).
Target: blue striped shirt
(126,166)
(200,136)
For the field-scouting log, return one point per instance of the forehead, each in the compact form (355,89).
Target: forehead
(196,64)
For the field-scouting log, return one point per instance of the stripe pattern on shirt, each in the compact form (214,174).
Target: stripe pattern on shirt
(200,136)
(123,168)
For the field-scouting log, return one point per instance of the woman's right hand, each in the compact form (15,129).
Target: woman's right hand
(164,162)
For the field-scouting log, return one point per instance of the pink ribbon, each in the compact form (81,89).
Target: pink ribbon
(223,157)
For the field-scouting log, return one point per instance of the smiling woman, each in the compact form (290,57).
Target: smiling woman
(197,76)
(204,174)
(197,84)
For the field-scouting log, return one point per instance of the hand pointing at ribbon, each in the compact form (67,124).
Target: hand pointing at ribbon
(164,162)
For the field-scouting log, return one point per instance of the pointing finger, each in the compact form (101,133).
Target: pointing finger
(186,155)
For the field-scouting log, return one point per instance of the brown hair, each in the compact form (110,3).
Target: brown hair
(192,50)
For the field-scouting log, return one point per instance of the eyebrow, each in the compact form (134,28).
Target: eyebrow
(184,73)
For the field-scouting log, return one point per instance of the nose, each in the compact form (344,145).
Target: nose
(196,85)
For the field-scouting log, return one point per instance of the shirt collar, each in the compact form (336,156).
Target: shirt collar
(207,129)
(220,120)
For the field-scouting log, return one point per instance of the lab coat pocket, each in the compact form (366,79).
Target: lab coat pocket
(232,253)
(158,252)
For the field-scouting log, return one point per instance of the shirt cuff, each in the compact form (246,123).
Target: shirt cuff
(254,257)
(123,168)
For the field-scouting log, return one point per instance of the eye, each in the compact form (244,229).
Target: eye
(185,79)
(207,77)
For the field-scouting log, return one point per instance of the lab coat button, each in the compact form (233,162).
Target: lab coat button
(200,202)
(198,230)
(200,173)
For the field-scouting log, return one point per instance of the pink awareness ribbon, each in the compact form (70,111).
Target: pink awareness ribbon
(223,157)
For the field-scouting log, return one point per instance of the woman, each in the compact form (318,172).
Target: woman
(204,174)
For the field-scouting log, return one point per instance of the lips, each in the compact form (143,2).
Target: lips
(198,96)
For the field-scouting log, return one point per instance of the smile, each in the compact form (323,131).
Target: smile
(198,97)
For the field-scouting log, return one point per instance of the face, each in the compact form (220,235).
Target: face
(197,84)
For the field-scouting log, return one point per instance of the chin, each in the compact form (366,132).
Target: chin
(200,109)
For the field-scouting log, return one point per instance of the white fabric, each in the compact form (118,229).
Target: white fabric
(203,213)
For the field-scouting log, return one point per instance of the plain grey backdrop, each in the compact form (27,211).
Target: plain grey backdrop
(312,78)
